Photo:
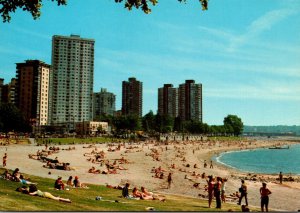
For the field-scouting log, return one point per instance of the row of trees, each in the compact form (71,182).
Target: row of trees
(11,119)
(155,123)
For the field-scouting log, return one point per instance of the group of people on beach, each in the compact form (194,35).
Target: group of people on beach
(75,183)
(43,156)
(137,195)
(216,189)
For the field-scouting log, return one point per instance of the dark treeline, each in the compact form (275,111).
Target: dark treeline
(154,123)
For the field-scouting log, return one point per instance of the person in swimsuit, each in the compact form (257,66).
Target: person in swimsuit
(32,190)
(264,193)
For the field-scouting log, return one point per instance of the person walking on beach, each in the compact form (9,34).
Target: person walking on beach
(170,180)
(280,177)
(4,160)
(243,191)
(264,193)
(211,165)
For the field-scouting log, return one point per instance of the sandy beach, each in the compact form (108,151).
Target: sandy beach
(142,157)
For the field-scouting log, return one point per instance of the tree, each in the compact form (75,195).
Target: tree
(148,121)
(144,4)
(127,123)
(34,6)
(163,123)
(233,124)
(11,119)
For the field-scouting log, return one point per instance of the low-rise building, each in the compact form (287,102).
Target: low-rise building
(92,128)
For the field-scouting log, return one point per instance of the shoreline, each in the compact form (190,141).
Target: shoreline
(139,172)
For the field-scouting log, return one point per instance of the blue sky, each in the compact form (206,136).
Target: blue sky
(245,53)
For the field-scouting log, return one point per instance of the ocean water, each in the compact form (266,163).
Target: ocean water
(263,160)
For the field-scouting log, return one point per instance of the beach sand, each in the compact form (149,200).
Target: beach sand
(283,197)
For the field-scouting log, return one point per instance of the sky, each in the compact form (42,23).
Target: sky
(246,54)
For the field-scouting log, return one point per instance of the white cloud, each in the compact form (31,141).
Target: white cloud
(258,26)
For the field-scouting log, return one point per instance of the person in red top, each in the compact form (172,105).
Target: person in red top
(210,189)
(59,184)
(264,193)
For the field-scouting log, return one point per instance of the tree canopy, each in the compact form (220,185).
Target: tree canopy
(233,124)
(34,6)
(144,4)
(11,119)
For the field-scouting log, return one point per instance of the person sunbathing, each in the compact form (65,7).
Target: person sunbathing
(24,181)
(6,175)
(70,182)
(78,184)
(32,190)
(94,171)
(136,193)
(150,195)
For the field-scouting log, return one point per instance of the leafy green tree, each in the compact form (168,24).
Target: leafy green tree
(105,118)
(144,4)
(178,124)
(148,121)
(124,123)
(163,123)
(34,6)
(233,124)
(12,119)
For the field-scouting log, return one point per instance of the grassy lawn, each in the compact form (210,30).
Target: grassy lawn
(84,200)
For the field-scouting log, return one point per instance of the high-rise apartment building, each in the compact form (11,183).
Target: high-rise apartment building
(7,91)
(104,103)
(168,100)
(190,101)
(72,79)
(1,89)
(132,97)
(32,89)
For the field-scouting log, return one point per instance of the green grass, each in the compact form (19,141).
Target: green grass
(84,200)
(77,140)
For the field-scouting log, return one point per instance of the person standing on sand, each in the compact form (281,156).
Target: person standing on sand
(243,191)
(223,187)
(4,160)
(205,164)
(211,165)
(280,177)
(264,193)
(217,192)
(210,189)
(170,180)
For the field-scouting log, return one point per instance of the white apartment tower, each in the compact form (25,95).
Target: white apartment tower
(72,79)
